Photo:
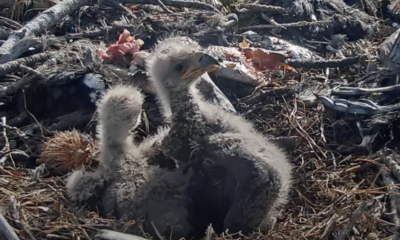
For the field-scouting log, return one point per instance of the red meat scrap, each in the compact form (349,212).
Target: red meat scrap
(126,46)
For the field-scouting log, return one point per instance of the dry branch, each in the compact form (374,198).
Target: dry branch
(325,63)
(356,91)
(271,21)
(262,8)
(113,235)
(175,3)
(44,21)
(329,228)
(286,25)
(6,230)
(9,23)
(11,67)
(360,210)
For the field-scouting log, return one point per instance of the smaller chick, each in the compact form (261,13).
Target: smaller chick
(126,184)
(119,112)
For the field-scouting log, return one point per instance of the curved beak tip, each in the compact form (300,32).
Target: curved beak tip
(209,63)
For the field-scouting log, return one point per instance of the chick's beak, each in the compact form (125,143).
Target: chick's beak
(198,64)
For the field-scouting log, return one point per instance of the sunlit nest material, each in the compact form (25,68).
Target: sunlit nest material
(354,23)
(69,150)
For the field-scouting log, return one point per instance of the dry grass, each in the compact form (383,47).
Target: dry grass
(327,190)
(38,209)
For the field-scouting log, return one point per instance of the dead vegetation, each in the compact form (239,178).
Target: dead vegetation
(346,183)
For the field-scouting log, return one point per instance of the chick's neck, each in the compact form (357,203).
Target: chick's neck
(187,127)
(186,114)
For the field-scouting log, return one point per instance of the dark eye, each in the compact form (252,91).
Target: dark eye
(179,67)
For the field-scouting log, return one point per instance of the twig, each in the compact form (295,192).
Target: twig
(356,91)
(30,114)
(330,226)
(6,229)
(324,63)
(92,34)
(209,232)
(164,7)
(21,133)
(286,25)
(175,3)
(11,22)
(7,142)
(360,210)
(13,66)
(272,21)
(5,172)
(14,154)
(156,230)
(262,94)
(31,79)
(394,198)
(32,71)
(76,223)
(45,20)
(5,134)
(254,7)
(26,230)
(112,235)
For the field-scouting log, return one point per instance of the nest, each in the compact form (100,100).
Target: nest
(341,190)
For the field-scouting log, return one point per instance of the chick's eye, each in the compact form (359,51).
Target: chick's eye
(179,67)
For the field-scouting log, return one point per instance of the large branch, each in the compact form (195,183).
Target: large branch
(45,20)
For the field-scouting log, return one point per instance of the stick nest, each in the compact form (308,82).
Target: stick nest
(329,188)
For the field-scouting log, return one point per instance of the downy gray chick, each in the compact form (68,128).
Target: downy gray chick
(240,177)
(205,86)
(126,184)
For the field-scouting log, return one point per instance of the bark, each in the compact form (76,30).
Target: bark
(45,20)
